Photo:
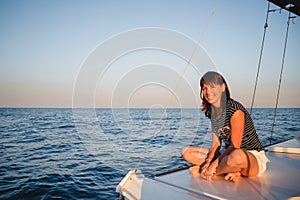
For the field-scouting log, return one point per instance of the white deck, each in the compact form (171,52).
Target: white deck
(135,186)
(280,181)
(290,146)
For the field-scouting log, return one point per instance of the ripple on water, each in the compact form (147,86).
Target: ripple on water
(43,155)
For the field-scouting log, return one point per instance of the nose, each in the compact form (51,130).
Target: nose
(208,90)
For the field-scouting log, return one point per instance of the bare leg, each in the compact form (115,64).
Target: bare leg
(235,177)
(227,166)
(194,170)
(196,156)
(233,172)
(238,162)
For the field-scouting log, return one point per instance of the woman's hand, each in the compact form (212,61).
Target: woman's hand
(208,170)
(205,166)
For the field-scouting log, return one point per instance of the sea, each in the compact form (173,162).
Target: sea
(84,153)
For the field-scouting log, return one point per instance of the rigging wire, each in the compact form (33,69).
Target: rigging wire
(260,57)
(281,72)
(282,64)
(194,51)
(185,68)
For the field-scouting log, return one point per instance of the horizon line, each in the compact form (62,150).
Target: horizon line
(28,107)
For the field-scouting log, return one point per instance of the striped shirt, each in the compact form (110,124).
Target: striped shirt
(222,127)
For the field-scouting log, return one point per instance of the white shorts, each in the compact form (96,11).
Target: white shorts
(262,160)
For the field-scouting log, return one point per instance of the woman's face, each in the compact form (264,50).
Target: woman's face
(213,93)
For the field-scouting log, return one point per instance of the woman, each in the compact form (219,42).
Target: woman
(231,123)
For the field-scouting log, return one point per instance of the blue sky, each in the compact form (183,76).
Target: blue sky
(45,43)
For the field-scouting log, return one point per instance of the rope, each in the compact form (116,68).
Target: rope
(194,51)
(260,57)
(185,68)
(281,72)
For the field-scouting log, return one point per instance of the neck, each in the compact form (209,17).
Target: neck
(217,105)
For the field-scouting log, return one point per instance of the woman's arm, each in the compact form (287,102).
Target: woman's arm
(237,122)
(215,144)
(237,131)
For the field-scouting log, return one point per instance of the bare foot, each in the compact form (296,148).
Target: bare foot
(194,170)
(235,177)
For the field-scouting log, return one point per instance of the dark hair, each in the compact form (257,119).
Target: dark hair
(212,77)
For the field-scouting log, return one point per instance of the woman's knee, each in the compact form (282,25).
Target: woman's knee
(186,151)
(192,152)
(236,157)
(194,155)
(189,149)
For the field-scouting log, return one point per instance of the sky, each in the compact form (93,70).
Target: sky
(52,53)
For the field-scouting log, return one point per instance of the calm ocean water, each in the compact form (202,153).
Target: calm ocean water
(84,153)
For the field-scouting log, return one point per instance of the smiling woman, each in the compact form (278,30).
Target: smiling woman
(214,92)
(231,124)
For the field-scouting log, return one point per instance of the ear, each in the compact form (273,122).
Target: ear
(223,87)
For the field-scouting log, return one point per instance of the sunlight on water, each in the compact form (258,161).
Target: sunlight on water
(57,153)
